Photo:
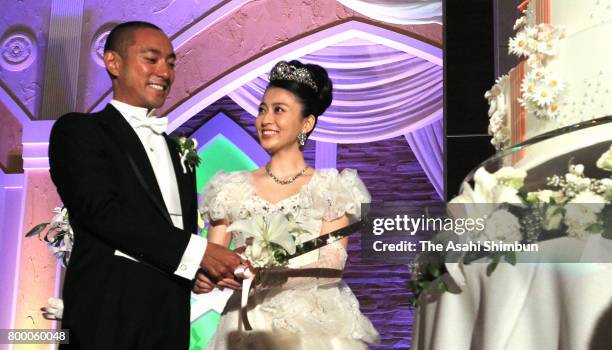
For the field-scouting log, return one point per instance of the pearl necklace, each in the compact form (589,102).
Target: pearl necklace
(289,180)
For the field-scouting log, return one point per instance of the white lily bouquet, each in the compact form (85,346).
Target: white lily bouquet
(273,239)
(59,235)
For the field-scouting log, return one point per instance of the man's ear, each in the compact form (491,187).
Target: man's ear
(309,124)
(112,61)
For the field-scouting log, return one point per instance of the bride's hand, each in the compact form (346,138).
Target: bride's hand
(229,283)
(202,284)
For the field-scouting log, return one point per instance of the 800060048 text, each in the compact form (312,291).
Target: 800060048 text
(34,336)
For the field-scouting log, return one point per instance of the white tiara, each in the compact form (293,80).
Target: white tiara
(284,71)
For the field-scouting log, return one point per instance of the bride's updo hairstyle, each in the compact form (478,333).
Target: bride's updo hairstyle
(308,82)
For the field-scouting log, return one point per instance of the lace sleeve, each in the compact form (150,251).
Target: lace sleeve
(343,194)
(214,199)
(326,270)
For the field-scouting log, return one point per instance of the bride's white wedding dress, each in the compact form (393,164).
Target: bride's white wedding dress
(305,312)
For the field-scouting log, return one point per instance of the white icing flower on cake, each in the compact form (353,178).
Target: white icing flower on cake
(519,45)
(540,89)
(543,95)
(498,113)
(520,23)
(548,47)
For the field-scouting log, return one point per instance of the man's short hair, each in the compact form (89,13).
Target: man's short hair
(120,38)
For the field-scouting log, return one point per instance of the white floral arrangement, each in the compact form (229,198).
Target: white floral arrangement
(59,235)
(573,205)
(541,88)
(498,113)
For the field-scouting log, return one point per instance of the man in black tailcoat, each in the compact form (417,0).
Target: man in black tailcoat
(132,206)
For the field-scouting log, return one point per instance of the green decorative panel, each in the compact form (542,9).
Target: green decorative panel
(219,154)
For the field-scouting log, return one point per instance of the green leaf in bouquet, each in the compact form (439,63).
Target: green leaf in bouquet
(510,257)
(36,230)
(423,285)
(595,228)
(606,219)
(434,270)
(491,267)
(442,286)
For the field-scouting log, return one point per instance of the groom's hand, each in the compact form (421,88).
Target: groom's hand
(219,262)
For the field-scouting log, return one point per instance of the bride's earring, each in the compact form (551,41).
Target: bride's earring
(301,138)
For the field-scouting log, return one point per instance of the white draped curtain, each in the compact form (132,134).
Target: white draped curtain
(398,11)
(427,145)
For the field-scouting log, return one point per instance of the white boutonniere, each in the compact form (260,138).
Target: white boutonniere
(187,150)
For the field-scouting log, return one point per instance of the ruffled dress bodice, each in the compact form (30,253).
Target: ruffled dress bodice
(306,313)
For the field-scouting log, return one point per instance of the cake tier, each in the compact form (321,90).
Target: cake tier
(581,64)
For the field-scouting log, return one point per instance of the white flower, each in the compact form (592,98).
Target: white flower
(528,87)
(543,196)
(519,45)
(549,47)
(581,212)
(55,310)
(552,218)
(552,112)
(501,137)
(520,22)
(534,61)
(595,201)
(531,32)
(577,180)
(543,95)
(484,198)
(605,161)
(608,184)
(576,169)
(509,176)
(275,228)
(504,226)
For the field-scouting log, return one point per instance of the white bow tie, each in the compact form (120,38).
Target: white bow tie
(157,125)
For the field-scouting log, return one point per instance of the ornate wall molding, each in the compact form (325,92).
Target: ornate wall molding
(18,51)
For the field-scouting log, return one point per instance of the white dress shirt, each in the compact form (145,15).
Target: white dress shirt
(159,156)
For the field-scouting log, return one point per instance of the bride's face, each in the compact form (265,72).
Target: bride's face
(280,120)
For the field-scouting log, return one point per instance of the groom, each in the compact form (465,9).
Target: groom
(132,208)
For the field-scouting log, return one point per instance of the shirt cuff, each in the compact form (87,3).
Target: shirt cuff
(190,262)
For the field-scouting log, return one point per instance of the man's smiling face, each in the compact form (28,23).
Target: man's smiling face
(145,72)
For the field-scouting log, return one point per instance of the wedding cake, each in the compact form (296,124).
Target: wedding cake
(565,77)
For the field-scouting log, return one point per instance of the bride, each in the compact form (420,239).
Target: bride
(302,312)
